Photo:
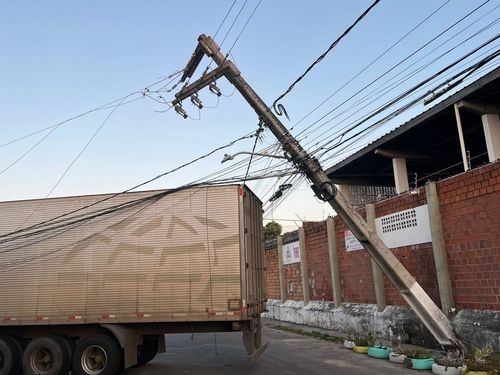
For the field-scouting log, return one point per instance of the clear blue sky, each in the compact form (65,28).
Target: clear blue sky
(60,58)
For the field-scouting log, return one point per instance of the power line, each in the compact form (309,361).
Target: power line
(99,108)
(382,91)
(73,162)
(396,65)
(60,218)
(244,26)
(225,17)
(148,201)
(322,56)
(53,128)
(421,97)
(232,24)
(371,63)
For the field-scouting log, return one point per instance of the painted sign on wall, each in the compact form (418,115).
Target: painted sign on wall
(291,253)
(351,242)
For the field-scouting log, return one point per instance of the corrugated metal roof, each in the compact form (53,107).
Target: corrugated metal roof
(417,120)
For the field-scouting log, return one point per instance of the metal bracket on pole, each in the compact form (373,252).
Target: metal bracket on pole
(433,318)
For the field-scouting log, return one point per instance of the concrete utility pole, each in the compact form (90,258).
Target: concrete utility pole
(433,318)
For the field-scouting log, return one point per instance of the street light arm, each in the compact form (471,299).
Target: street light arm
(228,157)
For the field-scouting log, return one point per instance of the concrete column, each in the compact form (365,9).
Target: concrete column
(303,266)
(334,261)
(461,137)
(400,175)
(439,249)
(378,275)
(281,268)
(491,126)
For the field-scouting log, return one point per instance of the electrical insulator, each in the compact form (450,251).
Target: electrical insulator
(285,187)
(196,101)
(213,88)
(276,196)
(180,110)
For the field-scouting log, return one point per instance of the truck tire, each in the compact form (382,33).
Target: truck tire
(46,355)
(67,349)
(97,355)
(10,356)
(147,351)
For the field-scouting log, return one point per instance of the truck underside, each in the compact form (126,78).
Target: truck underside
(104,348)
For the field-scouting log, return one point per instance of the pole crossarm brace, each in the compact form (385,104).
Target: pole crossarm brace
(193,88)
(433,318)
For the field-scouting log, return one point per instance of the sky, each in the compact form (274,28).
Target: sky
(59,59)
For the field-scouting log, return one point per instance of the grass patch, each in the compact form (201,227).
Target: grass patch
(315,334)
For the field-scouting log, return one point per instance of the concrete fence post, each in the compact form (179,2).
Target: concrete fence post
(378,275)
(334,262)
(281,267)
(303,266)
(439,249)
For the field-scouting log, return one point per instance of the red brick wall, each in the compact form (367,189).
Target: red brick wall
(293,275)
(318,262)
(417,259)
(272,273)
(470,211)
(356,277)
(293,282)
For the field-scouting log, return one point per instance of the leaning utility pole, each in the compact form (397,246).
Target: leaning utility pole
(433,318)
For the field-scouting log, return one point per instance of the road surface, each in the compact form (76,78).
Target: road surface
(288,353)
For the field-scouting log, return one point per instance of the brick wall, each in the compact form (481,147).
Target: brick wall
(293,282)
(356,278)
(417,259)
(272,272)
(470,211)
(318,263)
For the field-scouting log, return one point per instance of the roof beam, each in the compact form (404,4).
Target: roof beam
(388,153)
(479,108)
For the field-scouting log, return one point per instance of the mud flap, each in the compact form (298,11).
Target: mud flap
(257,352)
(252,339)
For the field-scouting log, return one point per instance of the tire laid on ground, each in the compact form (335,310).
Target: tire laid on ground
(147,351)
(10,356)
(97,355)
(46,356)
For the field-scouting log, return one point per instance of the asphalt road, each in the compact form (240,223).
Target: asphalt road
(288,353)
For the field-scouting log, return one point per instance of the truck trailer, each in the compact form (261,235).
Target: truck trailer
(93,283)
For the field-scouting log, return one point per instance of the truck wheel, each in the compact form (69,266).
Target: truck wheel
(98,354)
(67,349)
(10,356)
(46,355)
(147,351)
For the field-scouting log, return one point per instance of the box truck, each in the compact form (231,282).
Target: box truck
(93,283)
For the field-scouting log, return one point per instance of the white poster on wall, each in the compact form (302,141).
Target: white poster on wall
(291,253)
(351,242)
(405,228)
